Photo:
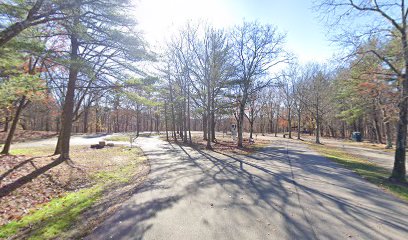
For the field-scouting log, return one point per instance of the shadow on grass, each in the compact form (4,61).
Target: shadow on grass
(7,189)
(15,168)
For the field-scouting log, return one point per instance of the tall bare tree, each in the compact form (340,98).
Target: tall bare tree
(257,50)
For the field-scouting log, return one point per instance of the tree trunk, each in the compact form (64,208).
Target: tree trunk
(240,124)
(68,109)
(137,121)
(399,171)
(251,128)
(57,150)
(188,116)
(290,122)
(317,127)
(7,144)
(185,116)
(388,132)
(165,121)
(343,130)
(377,128)
(86,115)
(299,119)
(6,124)
(277,122)
(205,126)
(209,117)
(213,126)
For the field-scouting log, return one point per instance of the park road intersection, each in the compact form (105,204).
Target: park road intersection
(285,191)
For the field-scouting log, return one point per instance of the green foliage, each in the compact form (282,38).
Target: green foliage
(16,80)
(16,9)
(17,86)
(140,91)
(353,94)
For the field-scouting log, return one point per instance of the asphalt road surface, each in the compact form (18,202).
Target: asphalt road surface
(75,140)
(379,157)
(284,192)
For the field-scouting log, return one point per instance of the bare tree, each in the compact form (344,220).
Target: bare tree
(299,94)
(257,49)
(287,91)
(317,99)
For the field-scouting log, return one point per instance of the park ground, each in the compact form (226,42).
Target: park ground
(277,188)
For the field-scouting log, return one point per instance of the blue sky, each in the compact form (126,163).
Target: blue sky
(305,33)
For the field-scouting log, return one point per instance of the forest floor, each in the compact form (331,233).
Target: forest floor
(71,198)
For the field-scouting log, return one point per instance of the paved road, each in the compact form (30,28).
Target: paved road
(379,157)
(284,192)
(75,140)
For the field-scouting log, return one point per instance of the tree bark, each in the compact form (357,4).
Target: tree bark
(6,124)
(209,116)
(388,132)
(7,144)
(277,122)
(185,115)
(137,121)
(240,124)
(251,128)
(377,127)
(290,122)
(188,116)
(299,119)
(205,126)
(213,125)
(165,121)
(317,126)
(68,109)
(57,150)
(399,171)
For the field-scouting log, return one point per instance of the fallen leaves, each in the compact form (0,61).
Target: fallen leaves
(68,176)
(40,190)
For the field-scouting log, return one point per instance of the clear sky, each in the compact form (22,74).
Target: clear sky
(305,33)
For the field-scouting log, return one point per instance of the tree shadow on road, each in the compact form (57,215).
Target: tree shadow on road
(295,187)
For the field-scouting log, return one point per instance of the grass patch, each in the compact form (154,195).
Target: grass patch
(118,138)
(126,137)
(56,216)
(113,166)
(369,171)
(33,151)
(123,174)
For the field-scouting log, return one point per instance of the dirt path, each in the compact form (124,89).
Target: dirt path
(284,192)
